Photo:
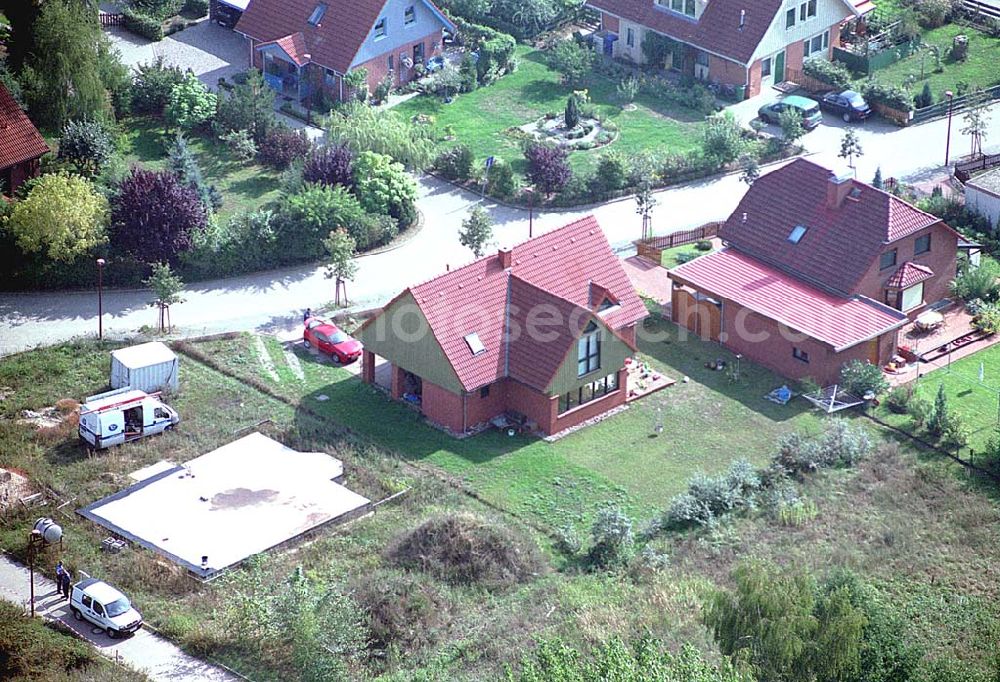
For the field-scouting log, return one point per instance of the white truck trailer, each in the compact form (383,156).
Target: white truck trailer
(123,415)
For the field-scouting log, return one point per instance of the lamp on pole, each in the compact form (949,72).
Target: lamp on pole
(530,191)
(947,144)
(100,298)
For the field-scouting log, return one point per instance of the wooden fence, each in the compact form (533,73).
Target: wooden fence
(958,104)
(108,19)
(654,247)
(965,169)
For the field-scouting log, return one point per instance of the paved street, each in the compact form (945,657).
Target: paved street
(144,651)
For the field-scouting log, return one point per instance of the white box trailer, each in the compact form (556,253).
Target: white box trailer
(147,367)
(123,415)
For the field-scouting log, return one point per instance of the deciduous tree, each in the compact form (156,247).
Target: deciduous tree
(190,103)
(383,131)
(167,287)
(850,147)
(341,266)
(330,165)
(477,231)
(383,186)
(87,145)
(153,216)
(63,216)
(548,168)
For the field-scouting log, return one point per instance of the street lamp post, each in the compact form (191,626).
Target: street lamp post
(947,144)
(531,212)
(100,298)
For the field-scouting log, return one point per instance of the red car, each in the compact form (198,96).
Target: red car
(327,338)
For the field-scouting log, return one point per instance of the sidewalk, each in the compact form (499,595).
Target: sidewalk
(144,651)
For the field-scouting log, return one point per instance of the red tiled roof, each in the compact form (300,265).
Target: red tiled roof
(333,43)
(718,29)
(19,139)
(549,275)
(908,274)
(834,320)
(839,244)
(294,46)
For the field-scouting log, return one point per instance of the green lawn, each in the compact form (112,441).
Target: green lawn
(671,258)
(977,403)
(981,68)
(244,186)
(481,117)
(618,460)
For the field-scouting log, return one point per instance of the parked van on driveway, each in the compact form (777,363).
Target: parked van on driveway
(104,606)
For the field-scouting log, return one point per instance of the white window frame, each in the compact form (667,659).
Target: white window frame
(384,23)
(588,353)
(630,37)
(410,15)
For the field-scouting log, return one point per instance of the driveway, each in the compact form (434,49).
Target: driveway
(209,50)
(144,651)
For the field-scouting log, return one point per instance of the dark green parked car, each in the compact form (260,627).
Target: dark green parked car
(808,108)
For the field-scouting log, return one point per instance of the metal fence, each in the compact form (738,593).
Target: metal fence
(108,19)
(965,169)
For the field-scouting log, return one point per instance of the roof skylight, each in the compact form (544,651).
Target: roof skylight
(475,345)
(797,233)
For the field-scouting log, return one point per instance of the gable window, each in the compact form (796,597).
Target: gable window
(789,18)
(317,15)
(811,8)
(630,37)
(380,28)
(330,76)
(797,233)
(912,297)
(800,355)
(588,351)
(677,5)
(887,260)
(922,245)
(409,16)
(765,68)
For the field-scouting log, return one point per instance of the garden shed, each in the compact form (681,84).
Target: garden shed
(147,367)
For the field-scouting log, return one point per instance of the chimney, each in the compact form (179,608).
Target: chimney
(743,18)
(505,258)
(838,188)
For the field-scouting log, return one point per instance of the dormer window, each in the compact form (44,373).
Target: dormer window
(797,233)
(317,15)
(686,7)
(380,28)
(474,343)
(409,16)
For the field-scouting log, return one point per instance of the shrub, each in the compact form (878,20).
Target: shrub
(568,541)
(708,498)
(612,542)
(248,106)
(987,319)
(898,399)
(496,56)
(455,163)
(501,179)
(190,104)
(282,145)
(382,186)
(247,242)
(186,168)
(152,86)
(798,454)
(380,130)
(933,13)
(572,115)
(306,218)
(611,174)
(142,24)
(834,74)
(468,73)
(330,165)
(197,8)
(548,168)
(920,410)
(790,122)
(889,95)
(240,144)
(925,98)
(703,245)
(722,138)
(465,549)
(844,444)
(87,145)
(861,378)
(403,611)
(572,60)
(938,418)
(977,283)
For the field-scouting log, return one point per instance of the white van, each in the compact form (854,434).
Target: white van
(105,607)
(123,415)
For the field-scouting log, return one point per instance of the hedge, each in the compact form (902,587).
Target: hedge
(198,8)
(834,74)
(142,24)
(892,96)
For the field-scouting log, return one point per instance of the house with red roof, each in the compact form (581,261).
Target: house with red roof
(753,44)
(542,330)
(817,269)
(305,45)
(21,145)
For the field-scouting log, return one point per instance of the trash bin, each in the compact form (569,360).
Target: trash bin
(741,92)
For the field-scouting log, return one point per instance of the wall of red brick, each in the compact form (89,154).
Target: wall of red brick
(479,410)
(725,71)
(610,23)
(793,55)
(760,339)
(941,259)
(590,410)
(441,406)
(378,67)
(755,79)
(536,406)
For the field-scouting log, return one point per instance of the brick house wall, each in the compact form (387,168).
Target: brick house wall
(479,410)
(441,406)
(14,176)
(776,351)
(941,259)
(378,67)
(754,86)
(724,71)
(560,422)
(793,56)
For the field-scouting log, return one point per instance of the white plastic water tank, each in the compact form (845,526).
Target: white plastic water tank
(147,367)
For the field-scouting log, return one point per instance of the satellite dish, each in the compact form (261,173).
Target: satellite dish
(49,530)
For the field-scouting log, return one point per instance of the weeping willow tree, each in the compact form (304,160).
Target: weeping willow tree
(367,129)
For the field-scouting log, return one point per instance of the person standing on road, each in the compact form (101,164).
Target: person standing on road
(307,314)
(60,576)
(67,580)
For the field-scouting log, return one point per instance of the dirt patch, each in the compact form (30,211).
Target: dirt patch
(13,487)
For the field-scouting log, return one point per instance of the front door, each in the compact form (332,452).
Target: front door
(779,67)
(418,53)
